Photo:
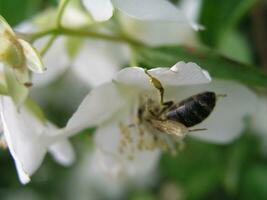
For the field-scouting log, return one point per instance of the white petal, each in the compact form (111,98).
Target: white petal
(158,10)
(26,26)
(99,105)
(180,74)
(75,17)
(107,138)
(107,163)
(226,121)
(55,60)
(133,76)
(190,8)
(154,33)
(158,33)
(101,10)
(98,61)
(63,153)
(87,180)
(33,60)
(23,134)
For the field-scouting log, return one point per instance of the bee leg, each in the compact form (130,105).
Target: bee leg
(166,106)
(152,113)
(197,129)
(168,103)
(157,84)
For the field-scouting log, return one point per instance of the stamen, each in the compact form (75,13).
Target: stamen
(147,136)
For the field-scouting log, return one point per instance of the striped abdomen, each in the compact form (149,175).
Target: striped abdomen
(193,110)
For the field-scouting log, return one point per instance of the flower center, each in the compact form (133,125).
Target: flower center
(143,133)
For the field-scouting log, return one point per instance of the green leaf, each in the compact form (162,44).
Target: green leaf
(254,182)
(217,65)
(235,46)
(237,156)
(219,17)
(15,11)
(142,196)
(197,168)
(3,89)
(72,45)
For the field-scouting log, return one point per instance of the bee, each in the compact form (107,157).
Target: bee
(192,110)
(176,119)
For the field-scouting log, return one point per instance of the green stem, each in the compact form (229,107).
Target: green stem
(47,45)
(84,33)
(60,11)
(97,35)
(133,60)
(34,36)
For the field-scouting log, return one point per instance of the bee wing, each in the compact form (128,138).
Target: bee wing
(170,127)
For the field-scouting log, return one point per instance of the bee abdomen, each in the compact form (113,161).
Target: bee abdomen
(193,110)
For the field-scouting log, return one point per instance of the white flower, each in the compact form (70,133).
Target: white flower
(157,32)
(154,22)
(147,10)
(88,179)
(130,149)
(56,60)
(96,61)
(28,139)
(17,53)
(17,57)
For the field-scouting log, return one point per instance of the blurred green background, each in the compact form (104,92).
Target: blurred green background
(234,28)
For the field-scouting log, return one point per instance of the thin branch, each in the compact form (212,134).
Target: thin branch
(259,24)
(60,11)
(83,33)
(47,45)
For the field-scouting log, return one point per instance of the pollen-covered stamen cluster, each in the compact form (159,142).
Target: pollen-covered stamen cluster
(142,134)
